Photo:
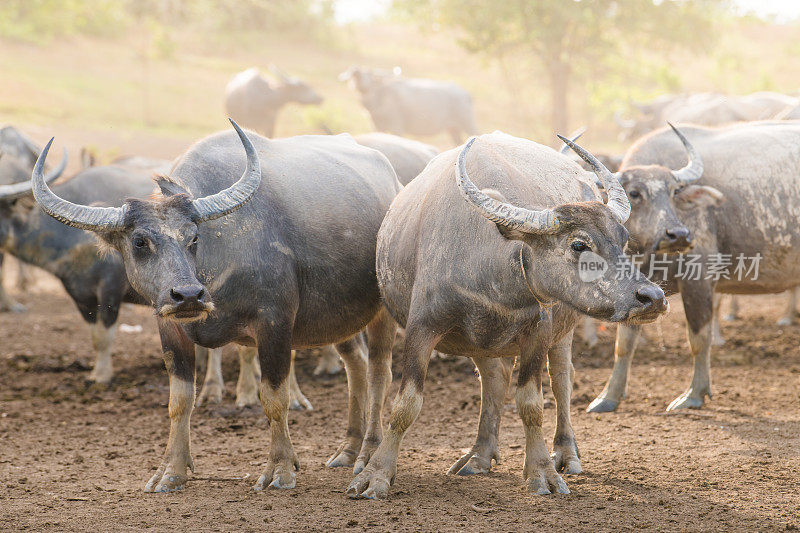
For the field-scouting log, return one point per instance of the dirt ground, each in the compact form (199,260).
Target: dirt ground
(77,458)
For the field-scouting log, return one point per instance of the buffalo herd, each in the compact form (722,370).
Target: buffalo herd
(495,249)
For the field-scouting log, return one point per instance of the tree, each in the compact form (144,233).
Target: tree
(569,37)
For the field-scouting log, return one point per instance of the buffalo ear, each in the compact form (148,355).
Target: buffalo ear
(88,159)
(510,234)
(694,196)
(170,187)
(25,204)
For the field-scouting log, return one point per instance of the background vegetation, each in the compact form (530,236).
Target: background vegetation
(149,75)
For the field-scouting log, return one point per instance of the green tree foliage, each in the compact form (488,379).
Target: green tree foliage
(42,20)
(592,40)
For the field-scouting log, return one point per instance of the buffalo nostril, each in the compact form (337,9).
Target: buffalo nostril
(189,293)
(649,295)
(678,233)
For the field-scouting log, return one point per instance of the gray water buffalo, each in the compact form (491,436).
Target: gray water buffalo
(791,112)
(95,281)
(276,263)
(414,106)
(499,276)
(18,154)
(254,101)
(727,223)
(707,109)
(407,156)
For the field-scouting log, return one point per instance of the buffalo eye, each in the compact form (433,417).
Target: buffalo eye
(193,245)
(635,194)
(579,246)
(139,242)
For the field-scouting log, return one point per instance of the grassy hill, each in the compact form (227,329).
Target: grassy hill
(153,94)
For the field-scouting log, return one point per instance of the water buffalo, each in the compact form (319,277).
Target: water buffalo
(503,287)
(708,109)
(414,106)
(254,101)
(790,113)
(407,156)
(275,263)
(95,281)
(18,154)
(735,205)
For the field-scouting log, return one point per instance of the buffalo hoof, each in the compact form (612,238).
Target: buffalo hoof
(328,365)
(368,448)
(730,318)
(99,379)
(280,475)
(13,308)
(474,463)
(166,480)
(245,400)
(298,401)
(688,400)
(344,456)
(565,459)
(296,404)
(210,394)
(786,321)
(547,482)
(602,405)
(371,484)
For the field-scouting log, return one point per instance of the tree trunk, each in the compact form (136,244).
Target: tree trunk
(559,73)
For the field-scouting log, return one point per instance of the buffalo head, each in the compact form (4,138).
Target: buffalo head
(158,238)
(657,195)
(563,240)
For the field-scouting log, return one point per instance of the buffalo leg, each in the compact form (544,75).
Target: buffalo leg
(297,400)
(495,375)
(698,301)
(104,326)
(179,359)
(716,332)
(617,386)
(355,364)
(790,315)
(249,377)
(538,471)
(379,474)
(102,340)
(590,331)
(566,457)
(7,303)
(24,276)
(213,384)
(380,339)
(275,358)
(328,363)
(733,310)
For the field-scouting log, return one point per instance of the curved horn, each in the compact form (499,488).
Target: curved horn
(618,201)
(574,136)
(77,216)
(230,199)
(505,214)
(694,169)
(22,189)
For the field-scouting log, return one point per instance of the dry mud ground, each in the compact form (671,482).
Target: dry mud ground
(76,458)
